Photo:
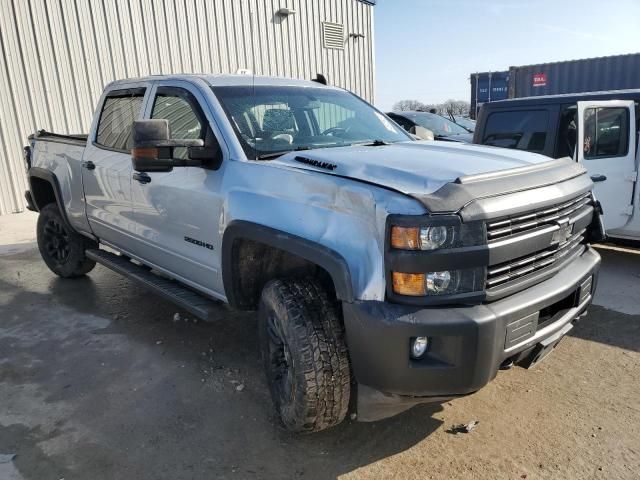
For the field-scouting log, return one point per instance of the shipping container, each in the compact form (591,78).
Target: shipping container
(488,87)
(619,72)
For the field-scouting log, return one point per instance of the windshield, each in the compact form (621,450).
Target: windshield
(279,119)
(440,126)
(466,123)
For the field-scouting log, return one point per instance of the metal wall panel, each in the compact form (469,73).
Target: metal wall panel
(57,55)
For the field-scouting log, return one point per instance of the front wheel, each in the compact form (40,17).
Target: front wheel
(304,354)
(62,248)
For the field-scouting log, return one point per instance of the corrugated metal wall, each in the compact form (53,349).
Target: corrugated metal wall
(56,56)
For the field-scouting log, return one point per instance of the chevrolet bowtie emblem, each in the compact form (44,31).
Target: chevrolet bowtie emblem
(562,235)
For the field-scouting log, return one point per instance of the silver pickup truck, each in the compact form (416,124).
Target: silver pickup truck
(386,271)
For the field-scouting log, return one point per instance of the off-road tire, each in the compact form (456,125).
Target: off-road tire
(311,389)
(62,248)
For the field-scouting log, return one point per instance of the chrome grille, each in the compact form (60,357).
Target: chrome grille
(501,274)
(530,220)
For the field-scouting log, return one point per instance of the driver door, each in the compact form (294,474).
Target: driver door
(607,149)
(177,213)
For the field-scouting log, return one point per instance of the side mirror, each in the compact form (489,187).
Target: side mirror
(421,132)
(153,148)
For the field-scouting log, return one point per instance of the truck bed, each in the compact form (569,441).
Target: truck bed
(57,156)
(75,139)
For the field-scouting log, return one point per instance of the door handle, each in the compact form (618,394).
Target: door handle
(598,178)
(89,165)
(141,177)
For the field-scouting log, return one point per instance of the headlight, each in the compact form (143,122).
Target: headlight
(438,282)
(435,259)
(446,282)
(444,232)
(435,237)
(422,238)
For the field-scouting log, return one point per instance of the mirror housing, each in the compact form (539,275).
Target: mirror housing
(422,133)
(153,147)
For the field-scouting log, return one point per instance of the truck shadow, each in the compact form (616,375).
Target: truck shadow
(109,362)
(352,445)
(609,327)
(614,318)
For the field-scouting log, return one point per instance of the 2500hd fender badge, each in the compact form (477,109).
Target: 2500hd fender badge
(199,243)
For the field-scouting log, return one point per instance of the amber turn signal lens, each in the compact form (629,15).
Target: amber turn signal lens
(409,284)
(145,152)
(405,238)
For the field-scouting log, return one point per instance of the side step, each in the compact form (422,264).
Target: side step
(185,298)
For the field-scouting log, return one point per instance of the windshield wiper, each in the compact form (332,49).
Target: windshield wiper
(371,143)
(272,155)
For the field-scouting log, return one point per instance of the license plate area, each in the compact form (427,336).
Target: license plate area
(526,327)
(545,347)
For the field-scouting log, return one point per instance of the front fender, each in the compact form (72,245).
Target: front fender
(316,216)
(320,255)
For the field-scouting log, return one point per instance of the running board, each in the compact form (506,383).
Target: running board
(173,291)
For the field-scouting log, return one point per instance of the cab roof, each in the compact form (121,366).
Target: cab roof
(632,94)
(225,80)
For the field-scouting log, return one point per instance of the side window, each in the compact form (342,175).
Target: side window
(186,119)
(521,129)
(567,132)
(116,119)
(637,127)
(606,132)
(403,122)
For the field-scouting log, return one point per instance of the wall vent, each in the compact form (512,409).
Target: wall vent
(333,35)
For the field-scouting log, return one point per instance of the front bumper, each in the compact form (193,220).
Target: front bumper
(467,344)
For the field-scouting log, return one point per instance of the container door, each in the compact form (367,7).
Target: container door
(607,148)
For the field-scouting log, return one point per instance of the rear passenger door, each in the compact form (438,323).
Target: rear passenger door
(607,148)
(106,172)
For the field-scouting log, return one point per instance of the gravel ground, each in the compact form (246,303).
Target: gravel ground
(98,381)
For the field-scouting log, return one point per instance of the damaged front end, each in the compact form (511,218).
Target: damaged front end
(538,276)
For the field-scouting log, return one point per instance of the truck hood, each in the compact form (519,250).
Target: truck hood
(419,167)
(443,176)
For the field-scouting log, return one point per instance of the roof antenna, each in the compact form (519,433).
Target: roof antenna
(320,78)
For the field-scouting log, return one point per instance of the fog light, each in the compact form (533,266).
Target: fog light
(419,347)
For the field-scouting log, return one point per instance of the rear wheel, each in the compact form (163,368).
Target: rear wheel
(62,248)
(304,354)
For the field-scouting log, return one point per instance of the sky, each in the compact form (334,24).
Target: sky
(426,49)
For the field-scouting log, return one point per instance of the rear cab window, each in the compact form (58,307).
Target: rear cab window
(119,110)
(518,129)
